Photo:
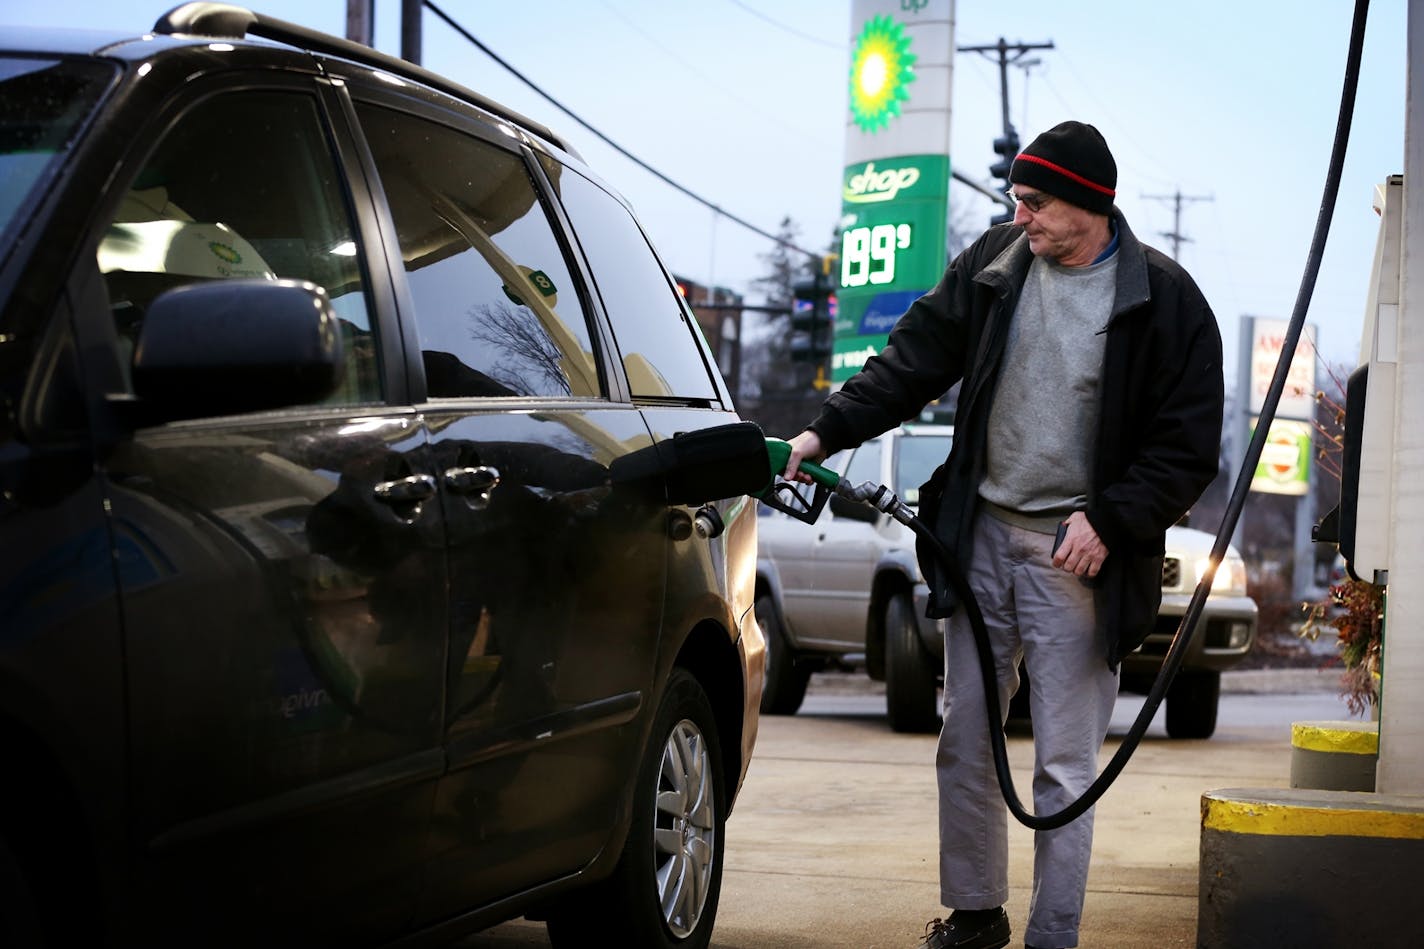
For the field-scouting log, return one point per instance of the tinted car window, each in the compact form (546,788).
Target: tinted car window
(243,185)
(497,312)
(654,331)
(42,103)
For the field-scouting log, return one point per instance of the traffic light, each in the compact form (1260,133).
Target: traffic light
(1007,147)
(691,291)
(813,319)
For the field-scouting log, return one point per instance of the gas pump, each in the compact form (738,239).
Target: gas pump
(1362,523)
(1379,520)
(1251,835)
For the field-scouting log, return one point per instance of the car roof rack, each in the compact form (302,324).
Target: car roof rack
(228,21)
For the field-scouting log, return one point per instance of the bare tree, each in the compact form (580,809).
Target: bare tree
(963,225)
(783,264)
(776,392)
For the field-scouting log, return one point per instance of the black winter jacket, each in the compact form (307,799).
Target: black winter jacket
(1159,432)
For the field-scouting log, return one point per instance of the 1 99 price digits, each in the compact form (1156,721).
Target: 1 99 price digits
(868,253)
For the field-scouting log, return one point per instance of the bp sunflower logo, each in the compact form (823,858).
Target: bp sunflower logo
(224,252)
(881,66)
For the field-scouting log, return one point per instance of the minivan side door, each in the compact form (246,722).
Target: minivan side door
(556,571)
(282,592)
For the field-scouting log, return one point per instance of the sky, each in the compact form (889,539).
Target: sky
(1231,103)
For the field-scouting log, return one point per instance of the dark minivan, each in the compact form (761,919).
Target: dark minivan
(350,588)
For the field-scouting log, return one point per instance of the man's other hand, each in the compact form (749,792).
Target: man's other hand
(1082,552)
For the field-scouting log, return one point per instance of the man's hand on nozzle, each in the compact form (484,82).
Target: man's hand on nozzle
(804,447)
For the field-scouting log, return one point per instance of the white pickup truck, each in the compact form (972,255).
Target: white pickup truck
(847,592)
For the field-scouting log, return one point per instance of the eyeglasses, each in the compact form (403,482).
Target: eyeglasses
(1034,202)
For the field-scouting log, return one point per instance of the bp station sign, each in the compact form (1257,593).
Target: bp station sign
(895,186)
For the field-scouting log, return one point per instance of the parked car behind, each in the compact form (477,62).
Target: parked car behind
(847,592)
(347,589)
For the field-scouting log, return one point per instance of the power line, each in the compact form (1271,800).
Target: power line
(789,29)
(1119,129)
(721,87)
(469,37)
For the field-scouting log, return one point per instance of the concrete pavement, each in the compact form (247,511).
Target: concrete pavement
(833,840)
(836,841)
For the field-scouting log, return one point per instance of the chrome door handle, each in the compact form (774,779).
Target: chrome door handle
(480,480)
(411,490)
(475,484)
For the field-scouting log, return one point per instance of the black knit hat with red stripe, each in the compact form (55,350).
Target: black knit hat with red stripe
(1070,161)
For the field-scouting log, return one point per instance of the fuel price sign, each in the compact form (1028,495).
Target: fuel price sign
(892,249)
(868,253)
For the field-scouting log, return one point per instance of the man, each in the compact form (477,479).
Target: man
(1091,398)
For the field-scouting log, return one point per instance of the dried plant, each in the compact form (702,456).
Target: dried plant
(1355,610)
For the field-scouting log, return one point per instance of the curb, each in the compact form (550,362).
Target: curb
(1278,867)
(1264,681)
(1244,682)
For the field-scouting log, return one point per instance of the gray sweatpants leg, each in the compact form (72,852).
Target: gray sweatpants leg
(1044,616)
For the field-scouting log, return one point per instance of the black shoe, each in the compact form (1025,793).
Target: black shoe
(968,929)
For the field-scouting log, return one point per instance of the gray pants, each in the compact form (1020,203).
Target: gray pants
(1044,616)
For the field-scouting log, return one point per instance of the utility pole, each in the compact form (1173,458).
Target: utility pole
(410,31)
(1007,146)
(1175,235)
(360,20)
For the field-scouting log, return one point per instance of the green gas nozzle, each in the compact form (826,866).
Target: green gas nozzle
(791,497)
(779,452)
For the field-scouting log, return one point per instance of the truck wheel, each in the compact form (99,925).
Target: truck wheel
(785,680)
(910,687)
(1191,704)
(663,893)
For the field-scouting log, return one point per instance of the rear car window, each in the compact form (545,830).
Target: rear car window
(917,456)
(496,310)
(654,331)
(43,103)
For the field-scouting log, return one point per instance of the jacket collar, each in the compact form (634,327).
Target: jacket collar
(1132,286)
(1010,267)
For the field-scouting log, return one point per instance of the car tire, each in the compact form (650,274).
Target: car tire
(664,892)
(1192,700)
(785,680)
(910,680)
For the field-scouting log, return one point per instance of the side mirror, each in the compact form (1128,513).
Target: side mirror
(231,346)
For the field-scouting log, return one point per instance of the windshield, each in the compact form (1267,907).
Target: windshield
(916,458)
(42,104)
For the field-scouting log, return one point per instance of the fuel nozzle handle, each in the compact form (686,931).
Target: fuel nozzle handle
(790,497)
(778,453)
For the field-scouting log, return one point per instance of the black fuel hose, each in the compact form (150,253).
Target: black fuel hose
(1176,652)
